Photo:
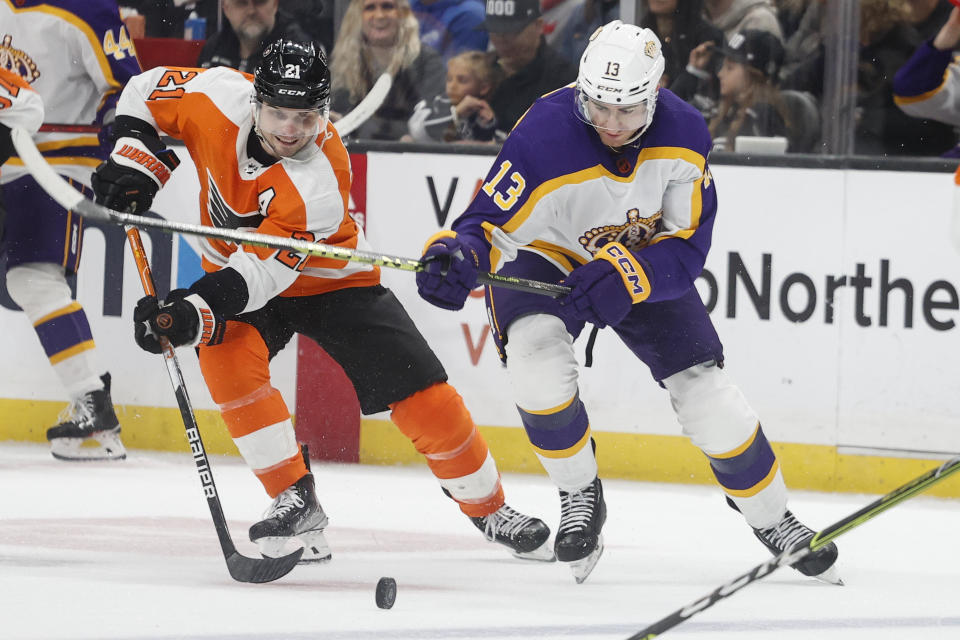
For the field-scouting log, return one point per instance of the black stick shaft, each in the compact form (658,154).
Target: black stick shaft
(822,539)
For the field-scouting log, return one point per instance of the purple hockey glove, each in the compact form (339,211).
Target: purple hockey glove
(604,290)
(450,273)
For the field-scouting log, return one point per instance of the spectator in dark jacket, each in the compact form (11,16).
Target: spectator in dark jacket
(249,26)
(529,66)
(451,26)
(165,18)
(887,41)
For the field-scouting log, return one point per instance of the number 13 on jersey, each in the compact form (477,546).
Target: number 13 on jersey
(518,184)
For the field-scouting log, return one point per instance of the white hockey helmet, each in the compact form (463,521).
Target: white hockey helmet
(620,67)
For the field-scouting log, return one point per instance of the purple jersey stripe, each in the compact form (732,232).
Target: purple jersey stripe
(558,431)
(64,332)
(748,469)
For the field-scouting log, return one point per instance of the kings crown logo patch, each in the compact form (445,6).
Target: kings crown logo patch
(634,235)
(17,61)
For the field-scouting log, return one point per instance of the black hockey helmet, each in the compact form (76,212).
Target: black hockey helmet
(293,75)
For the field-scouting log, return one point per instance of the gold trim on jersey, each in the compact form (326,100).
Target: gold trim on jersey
(569,452)
(84,141)
(70,308)
(561,255)
(78,160)
(757,488)
(599,171)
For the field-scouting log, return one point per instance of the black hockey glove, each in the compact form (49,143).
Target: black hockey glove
(6,143)
(184,318)
(132,175)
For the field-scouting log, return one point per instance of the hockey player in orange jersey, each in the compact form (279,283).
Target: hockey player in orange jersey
(268,159)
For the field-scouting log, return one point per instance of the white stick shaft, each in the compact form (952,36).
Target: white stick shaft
(58,189)
(366,108)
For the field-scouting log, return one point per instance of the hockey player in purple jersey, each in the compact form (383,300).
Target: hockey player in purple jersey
(605,186)
(77,55)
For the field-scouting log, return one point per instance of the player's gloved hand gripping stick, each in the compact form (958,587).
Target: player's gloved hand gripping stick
(242,568)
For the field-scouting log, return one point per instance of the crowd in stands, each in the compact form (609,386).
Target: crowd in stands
(467,70)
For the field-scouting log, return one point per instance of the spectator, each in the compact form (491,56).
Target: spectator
(886,42)
(681,27)
(464,113)
(451,26)
(249,27)
(530,67)
(790,14)
(315,17)
(928,85)
(377,37)
(735,16)
(570,35)
(165,18)
(750,104)
(927,16)
(803,60)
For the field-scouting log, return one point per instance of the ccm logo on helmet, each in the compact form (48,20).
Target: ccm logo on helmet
(612,89)
(291,92)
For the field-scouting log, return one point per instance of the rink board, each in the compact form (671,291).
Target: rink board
(833,293)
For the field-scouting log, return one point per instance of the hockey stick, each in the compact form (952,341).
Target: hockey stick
(241,568)
(71,199)
(820,540)
(366,107)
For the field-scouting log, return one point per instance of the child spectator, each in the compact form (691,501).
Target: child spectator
(464,113)
(750,103)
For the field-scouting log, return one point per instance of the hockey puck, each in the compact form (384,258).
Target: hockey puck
(386,592)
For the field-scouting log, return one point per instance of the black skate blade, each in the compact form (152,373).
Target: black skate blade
(259,570)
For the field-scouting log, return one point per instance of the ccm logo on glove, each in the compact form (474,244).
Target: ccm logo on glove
(634,278)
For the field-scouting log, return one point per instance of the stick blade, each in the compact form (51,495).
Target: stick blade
(259,570)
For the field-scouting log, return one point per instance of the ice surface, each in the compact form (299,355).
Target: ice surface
(127,550)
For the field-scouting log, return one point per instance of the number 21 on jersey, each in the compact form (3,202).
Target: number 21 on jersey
(514,191)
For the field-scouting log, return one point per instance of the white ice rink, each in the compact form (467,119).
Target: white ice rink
(128,550)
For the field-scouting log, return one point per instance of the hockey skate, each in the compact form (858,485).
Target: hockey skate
(790,533)
(526,537)
(89,429)
(582,514)
(295,514)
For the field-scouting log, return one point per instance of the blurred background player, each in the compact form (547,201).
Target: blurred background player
(928,85)
(20,106)
(268,159)
(605,186)
(77,56)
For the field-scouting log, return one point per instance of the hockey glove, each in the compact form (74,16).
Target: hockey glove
(132,175)
(604,290)
(450,271)
(184,318)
